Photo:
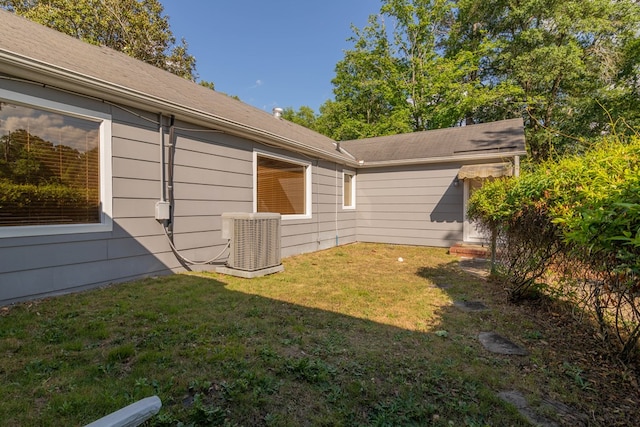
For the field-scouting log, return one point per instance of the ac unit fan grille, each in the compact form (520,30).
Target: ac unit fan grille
(255,242)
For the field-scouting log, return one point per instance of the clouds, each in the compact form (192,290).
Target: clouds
(81,134)
(256,85)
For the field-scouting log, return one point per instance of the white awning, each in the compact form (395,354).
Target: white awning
(486,170)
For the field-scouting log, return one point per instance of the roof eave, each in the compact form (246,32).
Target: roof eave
(48,74)
(444,159)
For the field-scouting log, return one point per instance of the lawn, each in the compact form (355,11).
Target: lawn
(349,336)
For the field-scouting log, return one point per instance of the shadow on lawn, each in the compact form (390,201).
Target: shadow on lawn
(569,372)
(217,356)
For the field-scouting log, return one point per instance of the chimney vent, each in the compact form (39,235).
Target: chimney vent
(277,112)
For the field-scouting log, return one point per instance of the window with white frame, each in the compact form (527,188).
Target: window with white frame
(348,190)
(52,167)
(282,186)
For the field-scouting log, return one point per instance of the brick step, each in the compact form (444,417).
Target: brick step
(470,251)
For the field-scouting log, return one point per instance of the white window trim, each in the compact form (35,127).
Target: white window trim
(307,180)
(106,211)
(353,189)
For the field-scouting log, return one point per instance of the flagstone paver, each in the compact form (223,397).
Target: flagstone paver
(471,305)
(496,343)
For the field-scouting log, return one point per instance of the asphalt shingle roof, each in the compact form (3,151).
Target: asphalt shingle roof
(501,137)
(21,38)
(36,50)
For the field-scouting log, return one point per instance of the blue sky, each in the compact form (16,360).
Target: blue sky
(269,53)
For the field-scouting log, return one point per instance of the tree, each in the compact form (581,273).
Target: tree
(135,27)
(305,116)
(402,79)
(569,67)
(565,55)
(365,96)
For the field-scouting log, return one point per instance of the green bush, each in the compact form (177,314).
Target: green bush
(584,208)
(515,213)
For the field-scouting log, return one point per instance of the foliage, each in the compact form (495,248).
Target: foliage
(565,66)
(528,240)
(566,56)
(304,116)
(584,208)
(207,84)
(398,80)
(135,27)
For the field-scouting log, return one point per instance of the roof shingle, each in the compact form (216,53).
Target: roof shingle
(505,137)
(63,54)
(79,66)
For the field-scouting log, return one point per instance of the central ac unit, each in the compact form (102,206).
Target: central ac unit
(254,241)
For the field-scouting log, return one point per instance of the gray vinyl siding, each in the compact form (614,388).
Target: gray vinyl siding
(327,225)
(412,205)
(213,174)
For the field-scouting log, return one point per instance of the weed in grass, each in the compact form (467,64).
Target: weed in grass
(120,354)
(532,335)
(205,414)
(576,373)
(310,370)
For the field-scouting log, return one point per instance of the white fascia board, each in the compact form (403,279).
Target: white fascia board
(446,159)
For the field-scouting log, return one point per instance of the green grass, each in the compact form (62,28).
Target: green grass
(349,336)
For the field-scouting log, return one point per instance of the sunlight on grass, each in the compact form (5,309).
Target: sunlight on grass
(362,281)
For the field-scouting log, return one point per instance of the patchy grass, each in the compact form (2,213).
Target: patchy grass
(349,336)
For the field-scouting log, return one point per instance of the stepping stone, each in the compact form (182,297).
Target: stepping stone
(470,305)
(567,414)
(517,399)
(476,267)
(498,344)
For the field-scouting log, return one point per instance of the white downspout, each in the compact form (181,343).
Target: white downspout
(336,203)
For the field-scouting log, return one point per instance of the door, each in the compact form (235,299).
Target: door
(470,232)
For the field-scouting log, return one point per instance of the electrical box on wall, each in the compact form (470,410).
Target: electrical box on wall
(163,211)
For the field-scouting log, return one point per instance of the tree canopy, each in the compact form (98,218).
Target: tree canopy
(570,68)
(135,27)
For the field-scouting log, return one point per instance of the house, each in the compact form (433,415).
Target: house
(95,145)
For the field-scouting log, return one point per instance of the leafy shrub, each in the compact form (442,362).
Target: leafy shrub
(583,208)
(514,213)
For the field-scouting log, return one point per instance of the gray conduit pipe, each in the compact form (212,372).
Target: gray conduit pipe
(168,227)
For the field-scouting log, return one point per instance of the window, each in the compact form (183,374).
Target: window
(51,168)
(283,187)
(348,190)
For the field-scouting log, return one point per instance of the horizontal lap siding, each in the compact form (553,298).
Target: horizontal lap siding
(328,225)
(213,174)
(417,205)
(39,266)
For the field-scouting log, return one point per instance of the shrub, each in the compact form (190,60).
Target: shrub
(514,213)
(583,210)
